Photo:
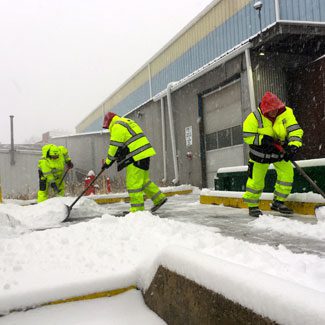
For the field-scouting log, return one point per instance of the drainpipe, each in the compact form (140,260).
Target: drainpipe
(163,135)
(277,10)
(172,131)
(250,79)
(12,147)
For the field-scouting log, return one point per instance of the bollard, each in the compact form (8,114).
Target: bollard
(108,185)
(90,177)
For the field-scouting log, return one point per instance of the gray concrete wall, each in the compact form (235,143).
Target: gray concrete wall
(21,179)
(185,113)
(88,150)
(178,300)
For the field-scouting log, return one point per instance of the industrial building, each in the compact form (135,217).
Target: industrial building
(192,96)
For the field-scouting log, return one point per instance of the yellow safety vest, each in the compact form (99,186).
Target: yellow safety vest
(284,130)
(128,143)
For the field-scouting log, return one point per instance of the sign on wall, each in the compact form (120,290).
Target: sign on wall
(188,136)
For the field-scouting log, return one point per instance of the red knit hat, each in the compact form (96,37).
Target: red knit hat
(270,102)
(108,119)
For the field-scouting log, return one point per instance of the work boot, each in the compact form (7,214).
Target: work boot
(157,206)
(254,212)
(280,207)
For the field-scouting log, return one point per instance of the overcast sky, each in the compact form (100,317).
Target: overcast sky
(60,59)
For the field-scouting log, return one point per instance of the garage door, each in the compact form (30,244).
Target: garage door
(223,129)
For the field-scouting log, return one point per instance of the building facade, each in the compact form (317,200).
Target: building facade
(193,95)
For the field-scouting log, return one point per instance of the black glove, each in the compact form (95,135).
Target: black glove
(105,166)
(267,142)
(69,164)
(290,152)
(55,188)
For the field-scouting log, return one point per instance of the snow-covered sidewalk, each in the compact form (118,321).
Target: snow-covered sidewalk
(108,253)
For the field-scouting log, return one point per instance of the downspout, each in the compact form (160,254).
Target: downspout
(172,131)
(163,135)
(12,146)
(250,79)
(277,10)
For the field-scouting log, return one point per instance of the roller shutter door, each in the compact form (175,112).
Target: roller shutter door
(223,129)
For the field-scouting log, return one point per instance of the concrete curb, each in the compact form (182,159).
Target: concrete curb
(95,295)
(305,208)
(109,200)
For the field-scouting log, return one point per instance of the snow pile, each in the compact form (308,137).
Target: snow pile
(292,227)
(108,253)
(47,213)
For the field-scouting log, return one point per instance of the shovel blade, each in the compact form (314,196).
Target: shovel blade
(67,215)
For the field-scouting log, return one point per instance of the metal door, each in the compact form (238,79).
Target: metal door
(222,119)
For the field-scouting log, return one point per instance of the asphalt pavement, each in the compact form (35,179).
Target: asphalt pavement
(230,222)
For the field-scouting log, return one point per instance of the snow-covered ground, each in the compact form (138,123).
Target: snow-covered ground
(107,253)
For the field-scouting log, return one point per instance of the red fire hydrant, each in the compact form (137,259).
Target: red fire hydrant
(90,177)
(108,185)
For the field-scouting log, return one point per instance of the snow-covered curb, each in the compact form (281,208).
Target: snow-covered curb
(296,197)
(260,292)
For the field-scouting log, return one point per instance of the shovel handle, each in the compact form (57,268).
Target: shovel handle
(64,175)
(84,191)
(302,172)
(309,180)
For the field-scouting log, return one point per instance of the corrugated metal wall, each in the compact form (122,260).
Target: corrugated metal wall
(20,179)
(304,10)
(226,24)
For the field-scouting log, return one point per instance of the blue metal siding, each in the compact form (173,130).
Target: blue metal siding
(95,126)
(135,99)
(239,27)
(303,10)
(214,44)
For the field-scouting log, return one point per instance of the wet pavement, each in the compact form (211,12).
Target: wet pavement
(229,221)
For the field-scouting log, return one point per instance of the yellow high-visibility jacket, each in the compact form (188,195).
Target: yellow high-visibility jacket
(285,130)
(128,143)
(52,169)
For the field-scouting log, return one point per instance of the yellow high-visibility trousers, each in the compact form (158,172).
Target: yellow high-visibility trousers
(43,193)
(256,181)
(138,184)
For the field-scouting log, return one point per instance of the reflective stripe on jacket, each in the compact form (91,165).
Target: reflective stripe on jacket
(284,130)
(128,143)
(52,169)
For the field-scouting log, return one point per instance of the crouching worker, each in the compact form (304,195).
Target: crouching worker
(273,124)
(51,170)
(131,149)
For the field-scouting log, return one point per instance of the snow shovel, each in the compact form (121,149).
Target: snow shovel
(69,208)
(64,175)
(304,175)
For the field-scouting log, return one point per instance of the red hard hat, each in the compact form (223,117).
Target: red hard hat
(270,102)
(108,119)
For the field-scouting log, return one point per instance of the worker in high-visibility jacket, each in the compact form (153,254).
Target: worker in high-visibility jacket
(51,169)
(270,128)
(131,149)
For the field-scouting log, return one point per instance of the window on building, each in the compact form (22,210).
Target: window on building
(224,138)
(211,141)
(237,135)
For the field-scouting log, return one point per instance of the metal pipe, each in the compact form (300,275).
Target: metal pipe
(163,135)
(250,79)
(277,10)
(12,146)
(149,77)
(172,131)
